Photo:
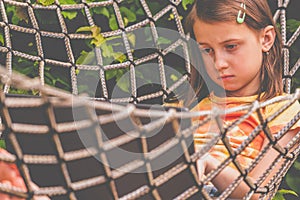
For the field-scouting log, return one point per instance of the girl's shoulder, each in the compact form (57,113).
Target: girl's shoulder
(290,110)
(281,101)
(178,104)
(204,104)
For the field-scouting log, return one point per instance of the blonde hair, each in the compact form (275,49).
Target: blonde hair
(258,16)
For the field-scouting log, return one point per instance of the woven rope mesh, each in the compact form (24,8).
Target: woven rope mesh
(50,50)
(75,148)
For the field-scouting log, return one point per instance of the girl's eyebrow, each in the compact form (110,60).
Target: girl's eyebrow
(202,43)
(223,42)
(230,40)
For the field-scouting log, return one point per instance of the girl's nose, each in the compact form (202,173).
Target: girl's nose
(220,61)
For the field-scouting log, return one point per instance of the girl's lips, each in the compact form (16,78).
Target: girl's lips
(225,77)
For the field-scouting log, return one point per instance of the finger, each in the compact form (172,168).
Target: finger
(8,172)
(201,169)
(4,196)
(3,151)
(41,198)
(18,182)
(16,198)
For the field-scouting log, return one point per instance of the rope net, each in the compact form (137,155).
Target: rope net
(75,148)
(53,143)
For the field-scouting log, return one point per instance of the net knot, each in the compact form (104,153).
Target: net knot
(151,19)
(134,99)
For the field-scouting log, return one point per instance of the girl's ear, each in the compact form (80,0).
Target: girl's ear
(268,38)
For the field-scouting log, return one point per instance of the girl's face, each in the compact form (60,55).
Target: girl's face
(232,54)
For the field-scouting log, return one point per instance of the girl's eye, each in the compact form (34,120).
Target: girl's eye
(231,46)
(206,50)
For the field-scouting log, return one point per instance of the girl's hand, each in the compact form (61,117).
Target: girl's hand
(205,164)
(221,181)
(201,166)
(10,175)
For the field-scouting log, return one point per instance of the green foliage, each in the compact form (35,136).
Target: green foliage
(291,179)
(1,39)
(69,14)
(17,14)
(108,51)
(111,48)
(280,194)
(292,25)
(2,144)
(46,2)
(186,2)
(99,41)
(163,40)
(129,16)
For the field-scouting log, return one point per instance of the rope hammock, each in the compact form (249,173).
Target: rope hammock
(98,149)
(50,142)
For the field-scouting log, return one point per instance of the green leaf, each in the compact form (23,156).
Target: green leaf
(113,37)
(1,39)
(62,82)
(284,191)
(107,50)
(185,3)
(102,10)
(69,14)
(21,13)
(86,58)
(140,11)
(98,40)
(82,88)
(109,74)
(128,13)
(113,23)
(84,29)
(278,197)
(297,163)
(162,40)
(125,21)
(132,39)
(67,2)
(123,83)
(119,56)
(280,194)
(173,77)
(95,30)
(171,16)
(292,181)
(15,19)
(2,144)
(77,71)
(292,25)
(46,2)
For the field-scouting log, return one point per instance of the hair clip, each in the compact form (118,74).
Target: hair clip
(241,14)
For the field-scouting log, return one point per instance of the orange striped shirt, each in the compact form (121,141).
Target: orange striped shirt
(239,133)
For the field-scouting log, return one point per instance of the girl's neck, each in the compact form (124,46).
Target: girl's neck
(222,93)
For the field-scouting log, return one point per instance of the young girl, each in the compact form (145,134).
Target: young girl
(241,50)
